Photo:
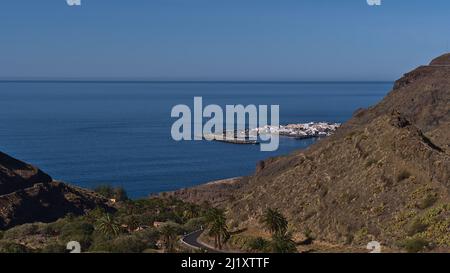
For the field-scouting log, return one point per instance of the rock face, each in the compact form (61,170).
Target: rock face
(442,60)
(15,175)
(29,195)
(384,175)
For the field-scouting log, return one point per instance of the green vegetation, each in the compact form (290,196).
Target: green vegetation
(276,223)
(309,237)
(10,247)
(194,224)
(259,244)
(127,244)
(428,201)
(79,231)
(54,248)
(414,245)
(107,191)
(218,226)
(283,243)
(430,225)
(147,225)
(417,226)
(170,231)
(108,226)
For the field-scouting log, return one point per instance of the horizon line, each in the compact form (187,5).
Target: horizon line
(131,80)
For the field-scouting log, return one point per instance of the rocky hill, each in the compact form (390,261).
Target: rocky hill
(29,195)
(384,175)
(16,175)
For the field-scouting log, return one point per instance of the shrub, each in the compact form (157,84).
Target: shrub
(194,224)
(59,224)
(100,244)
(146,218)
(77,228)
(258,244)
(403,176)
(10,247)
(428,201)
(110,192)
(77,231)
(48,230)
(149,236)
(122,244)
(120,194)
(415,245)
(93,215)
(416,227)
(309,237)
(308,233)
(283,243)
(128,244)
(21,231)
(54,248)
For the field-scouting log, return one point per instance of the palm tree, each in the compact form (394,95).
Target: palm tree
(132,223)
(218,227)
(191,212)
(283,243)
(274,222)
(108,226)
(169,231)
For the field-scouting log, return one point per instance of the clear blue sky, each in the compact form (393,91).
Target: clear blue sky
(221,39)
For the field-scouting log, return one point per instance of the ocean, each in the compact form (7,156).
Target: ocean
(92,133)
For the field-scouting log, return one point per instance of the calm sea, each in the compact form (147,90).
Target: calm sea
(91,133)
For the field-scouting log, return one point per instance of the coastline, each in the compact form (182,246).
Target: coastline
(216,192)
(226,181)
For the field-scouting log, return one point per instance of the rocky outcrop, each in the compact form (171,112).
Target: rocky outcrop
(16,175)
(29,195)
(441,60)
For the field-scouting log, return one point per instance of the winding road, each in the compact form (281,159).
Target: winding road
(191,241)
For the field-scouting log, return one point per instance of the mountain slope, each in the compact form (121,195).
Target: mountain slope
(384,175)
(364,182)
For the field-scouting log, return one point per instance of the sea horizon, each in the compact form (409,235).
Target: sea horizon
(138,80)
(94,133)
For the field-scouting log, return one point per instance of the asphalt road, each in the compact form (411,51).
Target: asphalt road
(191,240)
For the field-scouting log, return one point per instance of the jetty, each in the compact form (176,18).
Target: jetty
(235,139)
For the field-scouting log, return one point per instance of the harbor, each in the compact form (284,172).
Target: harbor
(297,131)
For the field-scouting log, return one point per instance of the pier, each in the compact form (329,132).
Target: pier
(231,140)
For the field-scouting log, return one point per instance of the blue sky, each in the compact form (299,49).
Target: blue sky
(220,39)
